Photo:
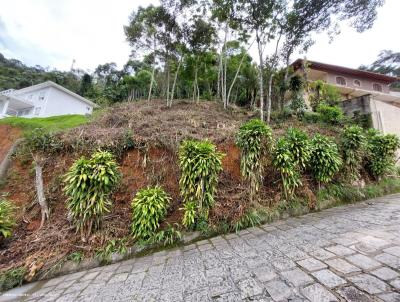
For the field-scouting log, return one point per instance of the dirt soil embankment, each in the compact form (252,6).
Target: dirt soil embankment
(8,135)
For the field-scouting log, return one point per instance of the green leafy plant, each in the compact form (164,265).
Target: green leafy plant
(200,164)
(171,235)
(381,152)
(299,146)
(149,207)
(284,162)
(88,185)
(40,140)
(250,219)
(325,160)
(321,92)
(76,257)
(353,143)
(189,215)
(330,114)
(113,246)
(12,278)
(7,219)
(254,140)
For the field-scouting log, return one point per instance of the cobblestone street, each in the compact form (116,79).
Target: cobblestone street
(348,253)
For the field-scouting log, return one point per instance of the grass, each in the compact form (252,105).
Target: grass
(12,278)
(54,123)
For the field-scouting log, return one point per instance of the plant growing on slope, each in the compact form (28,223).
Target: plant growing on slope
(330,114)
(200,163)
(113,246)
(149,207)
(284,162)
(166,237)
(381,151)
(7,220)
(88,185)
(12,278)
(353,148)
(254,139)
(299,146)
(325,160)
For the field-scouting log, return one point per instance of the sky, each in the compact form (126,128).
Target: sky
(54,33)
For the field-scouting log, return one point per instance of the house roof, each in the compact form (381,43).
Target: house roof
(59,87)
(345,70)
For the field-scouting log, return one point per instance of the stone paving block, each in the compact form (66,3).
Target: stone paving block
(352,294)
(384,273)
(328,278)
(391,297)
(317,293)
(118,278)
(363,262)
(342,266)
(249,288)
(394,250)
(282,264)
(265,273)
(396,283)
(297,277)
(340,250)
(322,254)
(344,241)
(278,290)
(197,296)
(74,276)
(392,261)
(89,276)
(368,283)
(312,264)
(103,277)
(65,284)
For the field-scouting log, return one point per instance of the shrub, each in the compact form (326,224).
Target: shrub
(40,140)
(284,162)
(249,219)
(189,215)
(148,207)
(253,140)
(200,164)
(381,151)
(7,220)
(353,147)
(311,117)
(166,237)
(113,246)
(299,146)
(325,160)
(298,105)
(88,185)
(12,278)
(330,114)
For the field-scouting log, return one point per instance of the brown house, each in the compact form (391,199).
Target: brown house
(362,92)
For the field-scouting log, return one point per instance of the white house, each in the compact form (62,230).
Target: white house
(43,100)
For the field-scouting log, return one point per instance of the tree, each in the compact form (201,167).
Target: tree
(150,30)
(388,62)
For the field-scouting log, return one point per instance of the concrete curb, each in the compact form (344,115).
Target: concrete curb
(6,162)
(69,266)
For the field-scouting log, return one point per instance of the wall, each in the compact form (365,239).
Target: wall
(360,105)
(60,103)
(39,98)
(386,117)
(365,84)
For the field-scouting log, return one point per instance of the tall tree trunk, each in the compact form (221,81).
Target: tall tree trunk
(261,75)
(174,83)
(237,72)
(151,83)
(38,161)
(273,65)
(168,75)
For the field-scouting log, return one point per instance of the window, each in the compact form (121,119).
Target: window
(341,81)
(37,110)
(41,96)
(377,87)
(357,83)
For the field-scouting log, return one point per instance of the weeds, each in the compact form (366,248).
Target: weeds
(12,278)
